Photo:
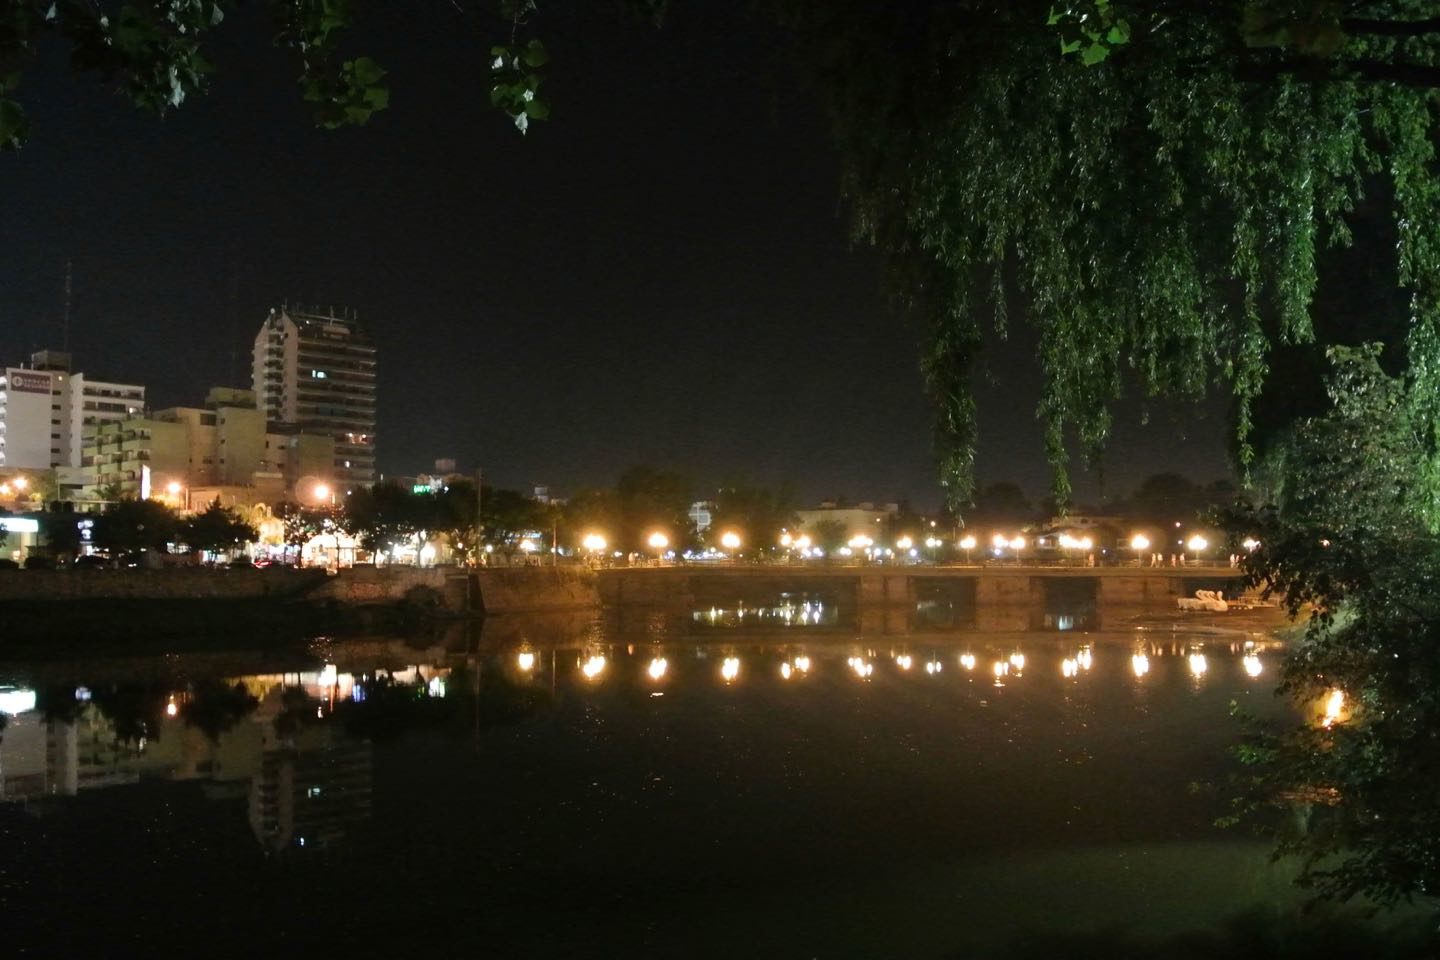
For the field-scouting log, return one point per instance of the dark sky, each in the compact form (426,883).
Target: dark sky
(659,274)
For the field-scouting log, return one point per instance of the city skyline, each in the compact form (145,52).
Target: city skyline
(660,275)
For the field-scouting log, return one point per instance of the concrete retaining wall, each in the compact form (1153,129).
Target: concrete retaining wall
(173,584)
(530,589)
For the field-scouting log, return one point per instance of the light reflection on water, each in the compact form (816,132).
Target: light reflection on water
(909,726)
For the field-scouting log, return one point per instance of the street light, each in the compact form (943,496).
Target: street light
(933,543)
(730,540)
(1017,545)
(967,543)
(904,543)
(175,488)
(1138,543)
(1197,545)
(21,482)
(658,542)
(322,493)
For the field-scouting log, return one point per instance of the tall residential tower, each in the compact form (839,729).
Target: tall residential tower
(317,371)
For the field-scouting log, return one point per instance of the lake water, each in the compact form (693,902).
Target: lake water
(696,786)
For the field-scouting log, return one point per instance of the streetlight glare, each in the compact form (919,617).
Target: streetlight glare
(1197,543)
(730,540)
(21,483)
(904,543)
(321,492)
(658,541)
(593,542)
(1139,542)
(174,488)
(967,542)
(1018,543)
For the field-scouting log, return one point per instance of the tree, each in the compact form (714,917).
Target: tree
(1346,539)
(217,529)
(828,535)
(759,514)
(386,516)
(647,500)
(1001,503)
(62,533)
(303,523)
(1010,163)
(154,51)
(129,525)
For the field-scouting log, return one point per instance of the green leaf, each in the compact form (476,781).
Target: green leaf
(1119,34)
(535,55)
(14,126)
(365,71)
(1094,54)
(1068,47)
(538,109)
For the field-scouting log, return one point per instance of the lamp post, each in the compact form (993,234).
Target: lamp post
(1017,545)
(594,544)
(730,540)
(658,542)
(1139,543)
(967,543)
(175,488)
(1197,545)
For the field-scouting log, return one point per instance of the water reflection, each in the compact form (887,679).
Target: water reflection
(298,743)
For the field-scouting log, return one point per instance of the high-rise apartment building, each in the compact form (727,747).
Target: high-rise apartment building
(317,371)
(44,410)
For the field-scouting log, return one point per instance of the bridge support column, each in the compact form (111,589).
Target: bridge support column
(880,589)
(1139,591)
(1006,601)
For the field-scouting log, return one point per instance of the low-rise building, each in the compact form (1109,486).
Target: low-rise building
(192,455)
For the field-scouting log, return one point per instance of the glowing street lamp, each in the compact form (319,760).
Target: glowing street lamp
(904,543)
(658,542)
(1139,543)
(178,493)
(967,543)
(1017,545)
(593,542)
(730,540)
(1197,545)
(322,493)
(21,482)
(786,540)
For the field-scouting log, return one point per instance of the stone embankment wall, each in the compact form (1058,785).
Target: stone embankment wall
(175,584)
(532,589)
(439,589)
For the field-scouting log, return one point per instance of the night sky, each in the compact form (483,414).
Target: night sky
(661,273)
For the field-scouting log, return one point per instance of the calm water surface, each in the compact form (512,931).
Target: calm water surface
(703,786)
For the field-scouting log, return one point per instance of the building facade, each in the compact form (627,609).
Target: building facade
(192,455)
(45,410)
(317,371)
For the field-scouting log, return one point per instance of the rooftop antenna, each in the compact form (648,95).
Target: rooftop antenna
(65,316)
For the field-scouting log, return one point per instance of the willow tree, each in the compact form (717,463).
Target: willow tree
(1150,183)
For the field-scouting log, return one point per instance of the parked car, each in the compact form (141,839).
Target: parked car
(91,562)
(241,563)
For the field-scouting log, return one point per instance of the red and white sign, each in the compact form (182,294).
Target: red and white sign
(26,381)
